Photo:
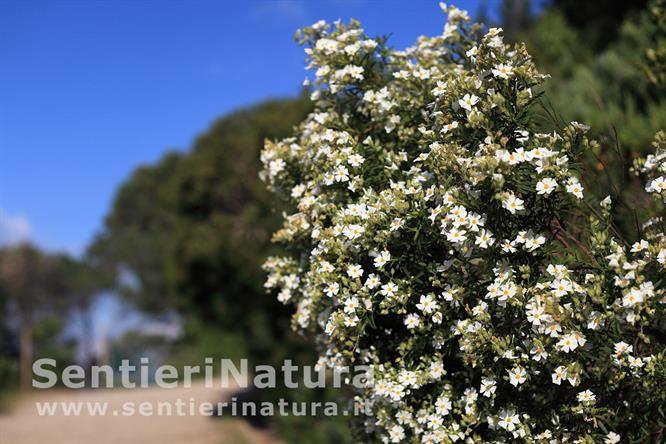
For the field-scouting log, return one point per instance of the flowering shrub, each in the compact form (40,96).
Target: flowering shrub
(440,239)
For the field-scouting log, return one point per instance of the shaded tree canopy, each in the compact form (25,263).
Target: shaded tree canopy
(191,231)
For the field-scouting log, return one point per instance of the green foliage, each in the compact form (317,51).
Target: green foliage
(607,88)
(192,230)
(38,291)
(597,21)
(656,54)
(440,238)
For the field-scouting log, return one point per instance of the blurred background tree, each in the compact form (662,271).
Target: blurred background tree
(190,234)
(39,295)
(600,56)
(33,284)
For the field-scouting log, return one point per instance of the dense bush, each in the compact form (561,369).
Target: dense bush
(441,239)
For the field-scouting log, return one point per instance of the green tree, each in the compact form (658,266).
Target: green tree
(190,232)
(35,288)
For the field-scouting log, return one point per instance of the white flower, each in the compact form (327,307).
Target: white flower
(449,30)
(403,416)
(580,126)
(332,289)
(449,293)
(574,187)
(513,157)
(661,256)
(508,247)
(517,376)
(488,387)
(538,353)
(440,89)
(353,48)
(323,71)
(503,71)
(534,242)
(456,236)
(382,259)
(471,395)
(586,397)
(436,370)
(595,320)
(351,321)
(635,362)
(396,392)
(327,46)
(297,191)
(612,438)
(553,329)
(330,328)
(326,267)
(372,281)
(559,375)
(396,433)
(639,246)
(536,315)
(633,297)
(350,71)
(513,203)
(389,290)
(468,101)
(484,239)
(351,305)
(561,287)
(474,222)
(546,186)
(353,231)
(396,224)
(508,420)
(341,174)
(284,295)
(408,378)
(449,126)
(275,166)
(568,343)
(657,185)
(355,271)
(622,348)
(426,304)
(355,160)
(443,405)
(545,435)
(412,321)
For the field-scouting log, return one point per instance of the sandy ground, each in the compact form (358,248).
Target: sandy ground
(23,425)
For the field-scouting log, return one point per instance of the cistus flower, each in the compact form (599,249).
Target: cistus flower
(430,239)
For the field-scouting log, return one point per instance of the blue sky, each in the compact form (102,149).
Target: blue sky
(89,90)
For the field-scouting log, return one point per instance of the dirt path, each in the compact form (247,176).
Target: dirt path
(25,426)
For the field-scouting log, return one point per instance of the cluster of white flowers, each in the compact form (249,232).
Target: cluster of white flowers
(654,167)
(432,243)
